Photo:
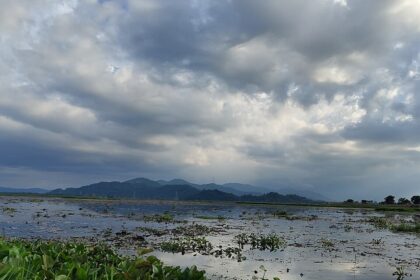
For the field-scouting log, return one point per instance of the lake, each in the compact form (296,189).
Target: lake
(316,243)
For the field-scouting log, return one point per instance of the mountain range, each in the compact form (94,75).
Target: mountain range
(22,190)
(178,189)
(242,189)
(143,188)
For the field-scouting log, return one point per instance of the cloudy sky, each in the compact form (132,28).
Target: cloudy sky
(316,95)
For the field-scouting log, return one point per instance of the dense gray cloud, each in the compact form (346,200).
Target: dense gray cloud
(319,95)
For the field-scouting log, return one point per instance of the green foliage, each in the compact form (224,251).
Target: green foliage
(404,201)
(415,199)
(39,260)
(263,242)
(326,243)
(383,223)
(192,230)
(400,273)
(390,199)
(406,227)
(189,244)
(379,222)
(377,241)
(400,208)
(9,210)
(280,214)
(159,218)
(229,252)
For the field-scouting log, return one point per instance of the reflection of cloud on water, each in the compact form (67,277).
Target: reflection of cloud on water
(311,268)
(304,253)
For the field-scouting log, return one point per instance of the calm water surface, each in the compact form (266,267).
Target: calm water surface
(353,255)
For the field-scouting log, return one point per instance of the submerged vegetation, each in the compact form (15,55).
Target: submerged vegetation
(159,218)
(201,245)
(400,273)
(9,210)
(379,222)
(262,242)
(406,227)
(204,217)
(326,243)
(189,244)
(403,226)
(22,260)
(193,230)
(210,236)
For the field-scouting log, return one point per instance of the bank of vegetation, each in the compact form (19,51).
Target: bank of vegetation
(42,260)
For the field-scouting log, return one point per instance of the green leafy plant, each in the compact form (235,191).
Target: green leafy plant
(326,243)
(159,218)
(263,242)
(400,273)
(189,244)
(406,227)
(403,226)
(41,260)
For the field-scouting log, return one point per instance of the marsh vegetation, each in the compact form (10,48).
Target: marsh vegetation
(226,240)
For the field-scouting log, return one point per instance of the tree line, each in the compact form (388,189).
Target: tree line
(390,200)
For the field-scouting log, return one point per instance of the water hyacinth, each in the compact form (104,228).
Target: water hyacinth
(23,260)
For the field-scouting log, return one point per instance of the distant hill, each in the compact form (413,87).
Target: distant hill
(222,188)
(22,190)
(203,186)
(176,182)
(142,188)
(275,197)
(234,188)
(246,188)
(306,193)
(214,195)
(144,182)
(243,189)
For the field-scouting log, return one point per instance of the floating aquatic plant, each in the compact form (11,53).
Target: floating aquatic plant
(22,260)
(263,242)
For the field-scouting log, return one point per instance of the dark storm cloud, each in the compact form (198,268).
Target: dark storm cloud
(296,36)
(320,94)
(382,132)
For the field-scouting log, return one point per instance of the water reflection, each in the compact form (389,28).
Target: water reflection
(352,256)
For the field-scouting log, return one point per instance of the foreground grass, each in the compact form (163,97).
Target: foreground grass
(22,260)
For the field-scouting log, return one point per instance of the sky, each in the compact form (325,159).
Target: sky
(320,95)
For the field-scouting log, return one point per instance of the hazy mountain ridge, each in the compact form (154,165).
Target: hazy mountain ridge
(178,189)
(23,190)
(243,189)
(144,188)
(210,186)
(129,190)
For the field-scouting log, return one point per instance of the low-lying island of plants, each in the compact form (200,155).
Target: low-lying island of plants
(45,260)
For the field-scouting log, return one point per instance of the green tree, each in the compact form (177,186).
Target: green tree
(390,199)
(415,199)
(404,201)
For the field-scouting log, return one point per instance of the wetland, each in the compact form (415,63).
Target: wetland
(229,240)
